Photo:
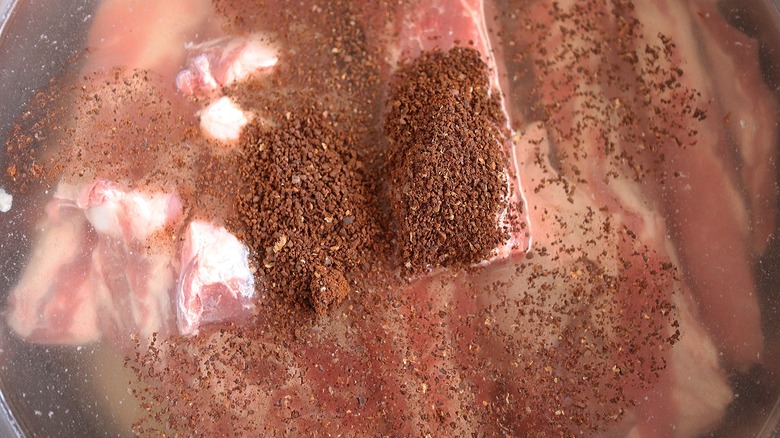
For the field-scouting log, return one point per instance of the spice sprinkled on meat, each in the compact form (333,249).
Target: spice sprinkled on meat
(445,165)
(305,208)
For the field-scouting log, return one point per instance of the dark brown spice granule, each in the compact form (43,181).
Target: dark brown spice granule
(328,288)
(445,162)
(304,207)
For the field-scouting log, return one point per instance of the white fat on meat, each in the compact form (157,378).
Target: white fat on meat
(216,282)
(130,215)
(223,120)
(224,61)
(218,63)
(6,201)
(91,275)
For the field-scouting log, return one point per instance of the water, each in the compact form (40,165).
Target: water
(70,391)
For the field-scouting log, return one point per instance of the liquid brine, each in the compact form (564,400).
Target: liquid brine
(439,218)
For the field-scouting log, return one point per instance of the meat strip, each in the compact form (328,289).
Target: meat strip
(454,190)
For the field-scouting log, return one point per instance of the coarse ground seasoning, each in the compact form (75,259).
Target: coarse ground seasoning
(446,165)
(310,203)
(339,347)
(304,208)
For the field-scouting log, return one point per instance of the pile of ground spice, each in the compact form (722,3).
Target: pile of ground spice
(304,208)
(445,162)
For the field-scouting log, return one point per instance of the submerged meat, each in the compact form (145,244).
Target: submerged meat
(707,214)
(111,268)
(579,325)
(224,61)
(630,243)
(219,63)
(101,278)
(642,117)
(215,283)
(640,123)
(51,302)
(693,393)
(455,195)
(127,33)
(750,109)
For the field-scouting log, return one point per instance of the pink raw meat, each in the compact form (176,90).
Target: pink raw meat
(224,61)
(91,275)
(610,128)
(128,33)
(215,283)
(597,150)
(705,209)
(693,393)
(110,269)
(63,311)
(750,109)
(681,402)
(439,26)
